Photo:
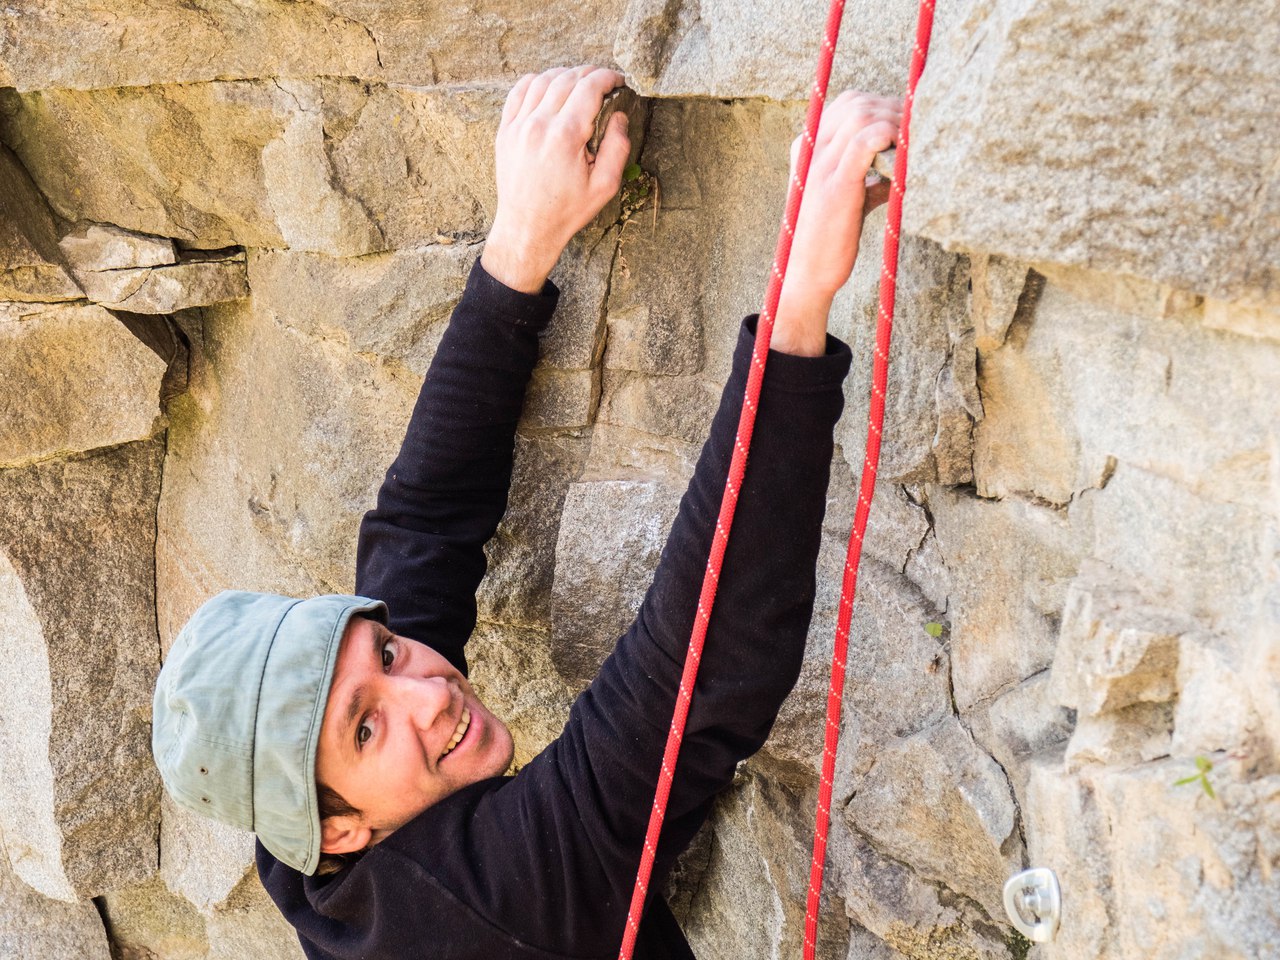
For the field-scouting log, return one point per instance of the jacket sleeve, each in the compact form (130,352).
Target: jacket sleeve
(421,549)
(581,807)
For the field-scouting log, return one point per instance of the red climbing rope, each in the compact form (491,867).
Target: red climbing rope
(866,486)
(738,465)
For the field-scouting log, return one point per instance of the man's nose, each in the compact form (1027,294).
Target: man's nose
(422,699)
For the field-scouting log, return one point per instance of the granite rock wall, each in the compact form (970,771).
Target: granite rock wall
(230,238)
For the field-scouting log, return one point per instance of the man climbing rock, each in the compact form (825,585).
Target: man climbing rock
(342,730)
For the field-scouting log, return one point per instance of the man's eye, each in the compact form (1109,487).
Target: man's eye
(363,734)
(388,655)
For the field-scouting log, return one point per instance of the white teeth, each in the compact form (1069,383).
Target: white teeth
(459,732)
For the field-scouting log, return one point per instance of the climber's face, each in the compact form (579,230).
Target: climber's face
(402,730)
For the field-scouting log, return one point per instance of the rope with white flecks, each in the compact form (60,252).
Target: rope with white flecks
(866,486)
(737,469)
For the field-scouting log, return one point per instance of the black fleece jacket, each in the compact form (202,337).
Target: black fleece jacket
(540,865)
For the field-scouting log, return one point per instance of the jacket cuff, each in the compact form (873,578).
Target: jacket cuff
(793,374)
(523,309)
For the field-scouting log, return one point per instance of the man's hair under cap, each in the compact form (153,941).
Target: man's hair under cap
(237,713)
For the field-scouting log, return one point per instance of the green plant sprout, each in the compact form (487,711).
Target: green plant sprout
(933,629)
(1203,765)
(638,188)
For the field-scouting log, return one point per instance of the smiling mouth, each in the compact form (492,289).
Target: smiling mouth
(459,732)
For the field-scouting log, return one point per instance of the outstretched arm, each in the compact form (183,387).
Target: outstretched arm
(421,548)
(587,797)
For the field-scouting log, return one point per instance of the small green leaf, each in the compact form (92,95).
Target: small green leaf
(631,172)
(933,629)
(1203,764)
(1185,780)
(1208,788)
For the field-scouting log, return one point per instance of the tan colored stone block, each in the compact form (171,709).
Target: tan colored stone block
(32,926)
(1081,388)
(147,920)
(1010,562)
(517,592)
(514,675)
(1247,320)
(202,860)
(1039,136)
(749,898)
(597,589)
(912,916)
(75,379)
(1115,648)
(248,924)
(167,289)
(30,265)
(713,48)
(102,246)
(275,452)
(146,42)
(150,43)
(936,801)
(79,803)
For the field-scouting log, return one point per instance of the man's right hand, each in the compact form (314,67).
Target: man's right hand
(549,185)
(855,127)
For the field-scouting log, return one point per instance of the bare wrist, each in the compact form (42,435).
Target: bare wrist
(800,325)
(517,265)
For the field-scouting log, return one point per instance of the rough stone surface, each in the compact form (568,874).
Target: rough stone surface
(398,41)
(202,860)
(596,594)
(1039,136)
(268,459)
(910,915)
(327,165)
(927,429)
(1114,650)
(30,267)
(757,836)
(147,920)
(98,246)
(80,800)
(169,288)
(1011,562)
(1195,881)
(712,48)
(80,361)
(936,801)
(34,927)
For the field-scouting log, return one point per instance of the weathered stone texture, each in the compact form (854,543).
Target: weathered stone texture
(79,802)
(1196,880)
(74,379)
(330,166)
(936,801)
(1144,148)
(30,267)
(33,927)
(1010,562)
(596,593)
(759,834)
(146,42)
(269,454)
(730,48)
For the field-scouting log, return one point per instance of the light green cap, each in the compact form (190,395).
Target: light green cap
(237,713)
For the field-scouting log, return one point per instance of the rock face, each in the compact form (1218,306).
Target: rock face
(1179,149)
(231,237)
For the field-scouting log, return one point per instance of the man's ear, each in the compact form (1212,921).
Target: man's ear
(343,835)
